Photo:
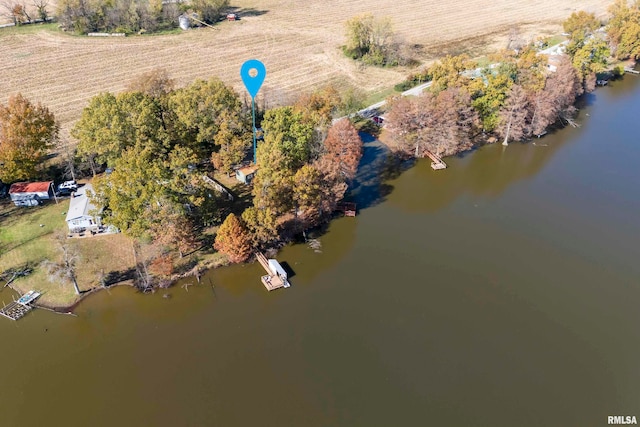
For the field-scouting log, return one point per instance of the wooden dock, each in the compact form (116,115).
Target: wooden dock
(15,310)
(274,279)
(436,162)
(348,208)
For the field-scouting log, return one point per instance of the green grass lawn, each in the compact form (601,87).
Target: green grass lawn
(380,95)
(554,40)
(28,29)
(27,236)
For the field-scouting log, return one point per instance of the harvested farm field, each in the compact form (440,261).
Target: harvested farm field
(300,46)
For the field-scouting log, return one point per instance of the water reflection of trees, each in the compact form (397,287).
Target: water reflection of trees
(487,171)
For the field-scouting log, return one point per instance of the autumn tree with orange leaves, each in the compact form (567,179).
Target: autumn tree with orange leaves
(233,239)
(343,146)
(27,132)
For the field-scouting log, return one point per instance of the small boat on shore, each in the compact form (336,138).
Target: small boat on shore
(28,297)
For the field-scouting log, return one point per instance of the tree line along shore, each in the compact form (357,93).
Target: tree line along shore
(157,143)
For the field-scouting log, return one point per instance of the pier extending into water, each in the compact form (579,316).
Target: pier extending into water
(17,309)
(436,161)
(276,276)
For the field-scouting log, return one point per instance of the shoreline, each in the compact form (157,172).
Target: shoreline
(199,270)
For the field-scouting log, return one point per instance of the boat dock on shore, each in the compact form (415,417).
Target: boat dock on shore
(17,309)
(276,276)
(436,161)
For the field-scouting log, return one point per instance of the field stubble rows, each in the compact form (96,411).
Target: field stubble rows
(299,46)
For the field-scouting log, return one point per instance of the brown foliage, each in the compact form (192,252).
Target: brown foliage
(155,83)
(513,116)
(333,185)
(233,239)
(176,231)
(563,87)
(442,124)
(162,265)
(319,106)
(307,193)
(343,146)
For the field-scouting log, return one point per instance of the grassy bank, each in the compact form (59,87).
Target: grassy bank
(28,237)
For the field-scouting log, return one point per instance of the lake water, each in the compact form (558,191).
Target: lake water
(502,291)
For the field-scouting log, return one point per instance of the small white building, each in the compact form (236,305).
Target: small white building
(246,174)
(79,216)
(277,269)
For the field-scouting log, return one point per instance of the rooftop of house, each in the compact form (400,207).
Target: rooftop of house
(80,205)
(248,170)
(29,187)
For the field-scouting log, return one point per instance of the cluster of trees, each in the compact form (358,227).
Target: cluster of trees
(517,97)
(514,99)
(154,139)
(588,46)
(373,41)
(128,16)
(624,29)
(27,132)
(19,12)
(305,166)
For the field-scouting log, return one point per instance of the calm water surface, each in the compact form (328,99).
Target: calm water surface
(503,291)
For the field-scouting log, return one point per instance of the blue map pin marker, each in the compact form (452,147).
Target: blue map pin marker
(253,83)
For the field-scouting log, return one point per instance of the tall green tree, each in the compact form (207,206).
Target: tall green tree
(262,225)
(370,39)
(591,58)
(135,192)
(285,149)
(448,72)
(233,145)
(201,108)
(491,97)
(112,123)
(27,132)
(290,133)
(623,29)
(580,25)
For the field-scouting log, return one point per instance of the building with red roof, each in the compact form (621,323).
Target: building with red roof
(30,193)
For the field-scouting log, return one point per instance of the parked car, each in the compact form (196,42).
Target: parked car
(378,120)
(66,188)
(4,190)
(68,185)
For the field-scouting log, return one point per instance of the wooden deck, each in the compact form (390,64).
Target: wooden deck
(348,208)
(15,310)
(271,281)
(436,162)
